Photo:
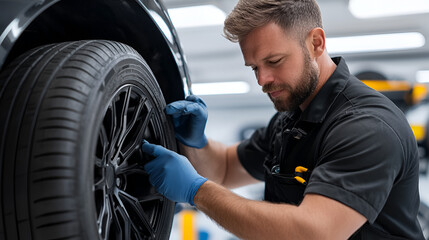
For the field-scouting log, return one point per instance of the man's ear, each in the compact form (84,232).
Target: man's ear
(316,41)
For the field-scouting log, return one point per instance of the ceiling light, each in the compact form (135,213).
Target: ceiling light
(196,16)
(220,88)
(387,8)
(375,43)
(422,76)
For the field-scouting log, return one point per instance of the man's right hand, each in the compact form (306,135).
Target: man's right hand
(189,120)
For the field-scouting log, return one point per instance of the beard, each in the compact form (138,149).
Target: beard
(308,79)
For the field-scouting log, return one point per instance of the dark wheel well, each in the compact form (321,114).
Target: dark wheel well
(123,21)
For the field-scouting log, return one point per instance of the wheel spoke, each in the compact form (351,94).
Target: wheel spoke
(104,139)
(139,137)
(124,118)
(114,122)
(129,224)
(100,184)
(120,135)
(126,231)
(132,149)
(119,130)
(150,198)
(127,169)
(136,145)
(117,222)
(105,218)
(146,120)
(99,162)
(138,210)
(137,140)
(113,130)
(134,120)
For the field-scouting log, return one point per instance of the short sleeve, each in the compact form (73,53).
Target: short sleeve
(360,157)
(252,152)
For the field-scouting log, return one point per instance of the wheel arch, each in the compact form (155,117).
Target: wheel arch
(142,25)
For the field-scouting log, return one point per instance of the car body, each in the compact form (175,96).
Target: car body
(113,59)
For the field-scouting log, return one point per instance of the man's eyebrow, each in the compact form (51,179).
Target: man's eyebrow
(273,55)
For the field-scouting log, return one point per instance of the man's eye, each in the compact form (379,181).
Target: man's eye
(274,61)
(254,69)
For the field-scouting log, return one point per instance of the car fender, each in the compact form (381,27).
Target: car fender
(143,25)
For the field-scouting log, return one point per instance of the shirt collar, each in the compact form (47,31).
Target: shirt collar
(322,102)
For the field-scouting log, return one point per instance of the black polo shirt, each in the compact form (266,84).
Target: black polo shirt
(363,154)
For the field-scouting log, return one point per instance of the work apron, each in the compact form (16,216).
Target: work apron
(294,144)
(290,146)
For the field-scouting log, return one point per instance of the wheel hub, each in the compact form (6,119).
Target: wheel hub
(110,177)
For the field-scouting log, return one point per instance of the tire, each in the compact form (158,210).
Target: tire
(73,116)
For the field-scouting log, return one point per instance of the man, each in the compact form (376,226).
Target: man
(339,160)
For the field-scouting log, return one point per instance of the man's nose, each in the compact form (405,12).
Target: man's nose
(264,77)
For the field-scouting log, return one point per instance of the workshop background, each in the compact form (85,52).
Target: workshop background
(380,39)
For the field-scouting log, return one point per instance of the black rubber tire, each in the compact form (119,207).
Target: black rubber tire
(72,119)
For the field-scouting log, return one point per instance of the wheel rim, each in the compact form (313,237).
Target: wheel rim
(127,205)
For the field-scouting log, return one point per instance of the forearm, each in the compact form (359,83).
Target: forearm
(209,161)
(250,219)
(219,163)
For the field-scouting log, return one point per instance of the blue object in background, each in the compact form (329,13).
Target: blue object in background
(203,235)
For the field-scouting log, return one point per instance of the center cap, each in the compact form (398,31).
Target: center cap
(110,176)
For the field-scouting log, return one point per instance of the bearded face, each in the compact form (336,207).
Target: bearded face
(282,65)
(308,80)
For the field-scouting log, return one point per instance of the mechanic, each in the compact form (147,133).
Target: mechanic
(339,159)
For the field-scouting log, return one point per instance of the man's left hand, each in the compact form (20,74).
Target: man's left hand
(172,174)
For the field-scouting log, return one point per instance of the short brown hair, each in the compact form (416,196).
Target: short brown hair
(300,16)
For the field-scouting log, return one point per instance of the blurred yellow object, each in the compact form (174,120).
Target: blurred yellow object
(413,93)
(419,132)
(419,92)
(188,228)
(388,85)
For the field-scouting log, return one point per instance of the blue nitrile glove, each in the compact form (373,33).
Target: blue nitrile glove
(189,120)
(172,174)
